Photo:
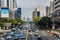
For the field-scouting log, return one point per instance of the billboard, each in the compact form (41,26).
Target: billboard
(5,12)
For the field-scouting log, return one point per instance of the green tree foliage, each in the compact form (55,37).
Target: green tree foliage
(1,24)
(45,23)
(13,21)
(36,20)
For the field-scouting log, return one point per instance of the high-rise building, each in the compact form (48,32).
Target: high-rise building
(51,7)
(57,6)
(11,4)
(18,13)
(36,13)
(13,8)
(3,3)
(47,10)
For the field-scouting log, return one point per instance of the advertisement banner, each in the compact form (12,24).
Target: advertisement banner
(4,12)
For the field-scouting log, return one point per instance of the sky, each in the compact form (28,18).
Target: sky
(28,6)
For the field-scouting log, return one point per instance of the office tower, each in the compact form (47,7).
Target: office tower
(13,8)
(47,10)
(12,4)
(51,7)
(18,13)
(3,3)
(57,6)
(36,13)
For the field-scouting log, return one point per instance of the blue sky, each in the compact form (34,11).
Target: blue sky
(28,6)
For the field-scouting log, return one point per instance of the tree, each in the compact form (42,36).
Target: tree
(20,21)
(45,23)
(1,24)
(36,20)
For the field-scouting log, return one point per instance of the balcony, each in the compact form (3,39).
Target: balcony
(57,4)
(56,1)
(57,9)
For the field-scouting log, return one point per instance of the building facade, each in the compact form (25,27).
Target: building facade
(55,11)
(36,13)
(56,8)
(56,5)
(11,4)
(13,8)
(51,7)
(47,10)
(18,13)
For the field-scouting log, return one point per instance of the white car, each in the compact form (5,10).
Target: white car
(37,31)
(2,38)
(9,36)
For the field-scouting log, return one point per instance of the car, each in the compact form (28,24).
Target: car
(39,38)
(15,39)
(17,34)
(7,33)
(35,35)
(9,36)
(58,38)
(13,29)
(33,28)
(37,31)
(2,38)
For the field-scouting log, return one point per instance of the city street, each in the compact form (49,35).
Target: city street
(20,34)
(29,19)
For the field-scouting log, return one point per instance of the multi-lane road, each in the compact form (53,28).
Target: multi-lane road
(33,34)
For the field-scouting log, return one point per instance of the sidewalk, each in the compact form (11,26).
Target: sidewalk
(52,32)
